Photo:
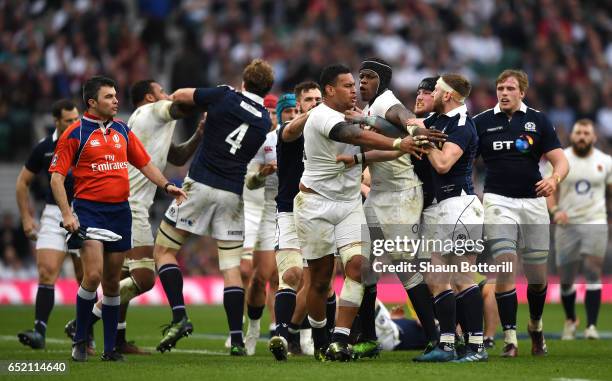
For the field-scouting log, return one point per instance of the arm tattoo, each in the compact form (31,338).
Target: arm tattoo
(345,132)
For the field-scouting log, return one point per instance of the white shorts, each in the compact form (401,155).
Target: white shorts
(517,225)
(397,213)
(575,240)
(252,218)
(142,234)
(446,223)
(208,211)
(324,225)
(266,233)
(51,235)
(286,235)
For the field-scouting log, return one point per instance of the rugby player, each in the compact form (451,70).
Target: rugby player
(394,203)
(51,246)
(581,232)
(290,304)
(455,215)
(328,210)
(98,148)
(236,126)
(512,138)
(264,263)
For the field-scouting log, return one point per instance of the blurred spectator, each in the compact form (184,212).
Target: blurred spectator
(13,242)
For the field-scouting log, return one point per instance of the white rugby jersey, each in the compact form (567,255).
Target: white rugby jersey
(582,195)
(266,155)
(321,171)
(394,175)
(154,129)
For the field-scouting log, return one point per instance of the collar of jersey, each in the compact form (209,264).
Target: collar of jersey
(457,110)
(253,97)
(54,136)
(92,118)
(523,109)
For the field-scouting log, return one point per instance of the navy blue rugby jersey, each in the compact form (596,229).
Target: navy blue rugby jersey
(511,149)
(461,131)
(236,126)
(40,160)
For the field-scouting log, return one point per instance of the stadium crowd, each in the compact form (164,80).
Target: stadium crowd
(47,49)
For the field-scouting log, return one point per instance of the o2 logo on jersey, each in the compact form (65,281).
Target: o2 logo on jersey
(523,143)
(582,186)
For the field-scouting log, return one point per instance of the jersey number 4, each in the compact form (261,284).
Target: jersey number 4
(235,137)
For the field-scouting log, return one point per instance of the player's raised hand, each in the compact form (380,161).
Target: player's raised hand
(30,228)
(267,169)
(419,122)
(178,193)
(353,115)
(546,187)
(415,146)
(348,160)
(431,134)
(70,223)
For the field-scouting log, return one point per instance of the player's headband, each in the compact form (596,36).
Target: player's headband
(383,71)
(446,87)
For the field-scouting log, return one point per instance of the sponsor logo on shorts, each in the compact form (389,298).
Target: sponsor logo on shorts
(186,221)
(234,232)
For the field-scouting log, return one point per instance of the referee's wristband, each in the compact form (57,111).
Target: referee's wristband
(167,185)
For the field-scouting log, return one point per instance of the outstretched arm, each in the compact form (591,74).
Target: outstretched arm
(350,133)
(294,128)
(179,154)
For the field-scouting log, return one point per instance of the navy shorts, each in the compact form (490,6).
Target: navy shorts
(411,335)
(116,217)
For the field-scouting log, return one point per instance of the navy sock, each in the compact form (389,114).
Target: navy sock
(536,300)
(319,334)
(233,302)
(284,305)
(592,301)
(421,299)
(172,281)
(305,323)
(460,311)
(121,328)
(445,307)
(255,312)
(569,304)
(294,333)
(367,314)
(507,305)
(473,309)
(84,304)
(341,335)
(45,298)
(330,313)
(110,318)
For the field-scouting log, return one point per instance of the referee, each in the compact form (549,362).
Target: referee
(97,149)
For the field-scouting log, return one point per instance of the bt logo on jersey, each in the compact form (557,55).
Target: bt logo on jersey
(500,145)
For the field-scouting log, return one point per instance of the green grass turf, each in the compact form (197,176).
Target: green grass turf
(203,356)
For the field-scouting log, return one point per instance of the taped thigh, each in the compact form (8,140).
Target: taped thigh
(230,253)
